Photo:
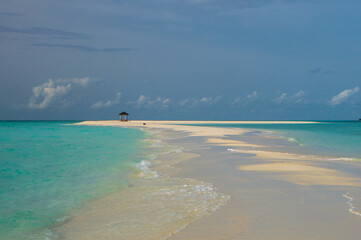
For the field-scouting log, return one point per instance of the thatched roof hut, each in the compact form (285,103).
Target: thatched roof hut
(124,116)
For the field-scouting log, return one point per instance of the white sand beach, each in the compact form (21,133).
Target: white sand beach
(264,194)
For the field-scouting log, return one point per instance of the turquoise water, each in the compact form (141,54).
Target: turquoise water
(48,169)
(336,138)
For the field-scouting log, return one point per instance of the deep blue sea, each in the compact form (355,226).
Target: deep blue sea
(48,169)
(330,138)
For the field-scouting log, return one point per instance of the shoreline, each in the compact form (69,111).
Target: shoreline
(176,202)
(262,167)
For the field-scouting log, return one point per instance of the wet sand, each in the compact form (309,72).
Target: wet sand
(274,195)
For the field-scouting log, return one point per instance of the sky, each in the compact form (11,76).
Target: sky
(180,59)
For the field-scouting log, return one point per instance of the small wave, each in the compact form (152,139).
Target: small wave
(152,157)
(174,150)
(295,140)
(61,219)
(42,234)
(48,235)
(351,203)
(145,171)
(292,140)
(347,159)
(155,143)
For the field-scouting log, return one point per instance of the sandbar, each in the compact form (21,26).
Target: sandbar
(273,194)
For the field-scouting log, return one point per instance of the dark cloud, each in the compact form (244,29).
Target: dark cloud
(10,14)
(320,70)
(330,72)
(44,32)
(84,48)
(315,70)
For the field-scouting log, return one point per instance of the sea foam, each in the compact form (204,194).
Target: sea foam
(145,171)
(354,202)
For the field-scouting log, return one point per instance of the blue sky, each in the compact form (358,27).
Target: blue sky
(180,59)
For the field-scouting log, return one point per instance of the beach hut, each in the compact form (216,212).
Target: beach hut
(123,116)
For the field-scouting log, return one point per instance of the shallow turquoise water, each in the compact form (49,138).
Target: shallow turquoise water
(48,169)
(338,138)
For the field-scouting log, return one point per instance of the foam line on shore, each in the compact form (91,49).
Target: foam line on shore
(350,202)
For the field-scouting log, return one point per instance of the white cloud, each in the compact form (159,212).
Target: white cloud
(83,82)
(247,99)
(252,95)
(342,96)
(48,92)
(237,100)
(281,98)
(204,101)
(101,104)
(299,94)
(148,102)
(80,81)
(298,97)
(295,98)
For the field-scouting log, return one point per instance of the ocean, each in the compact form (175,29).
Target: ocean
(60,181)
(48,169)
